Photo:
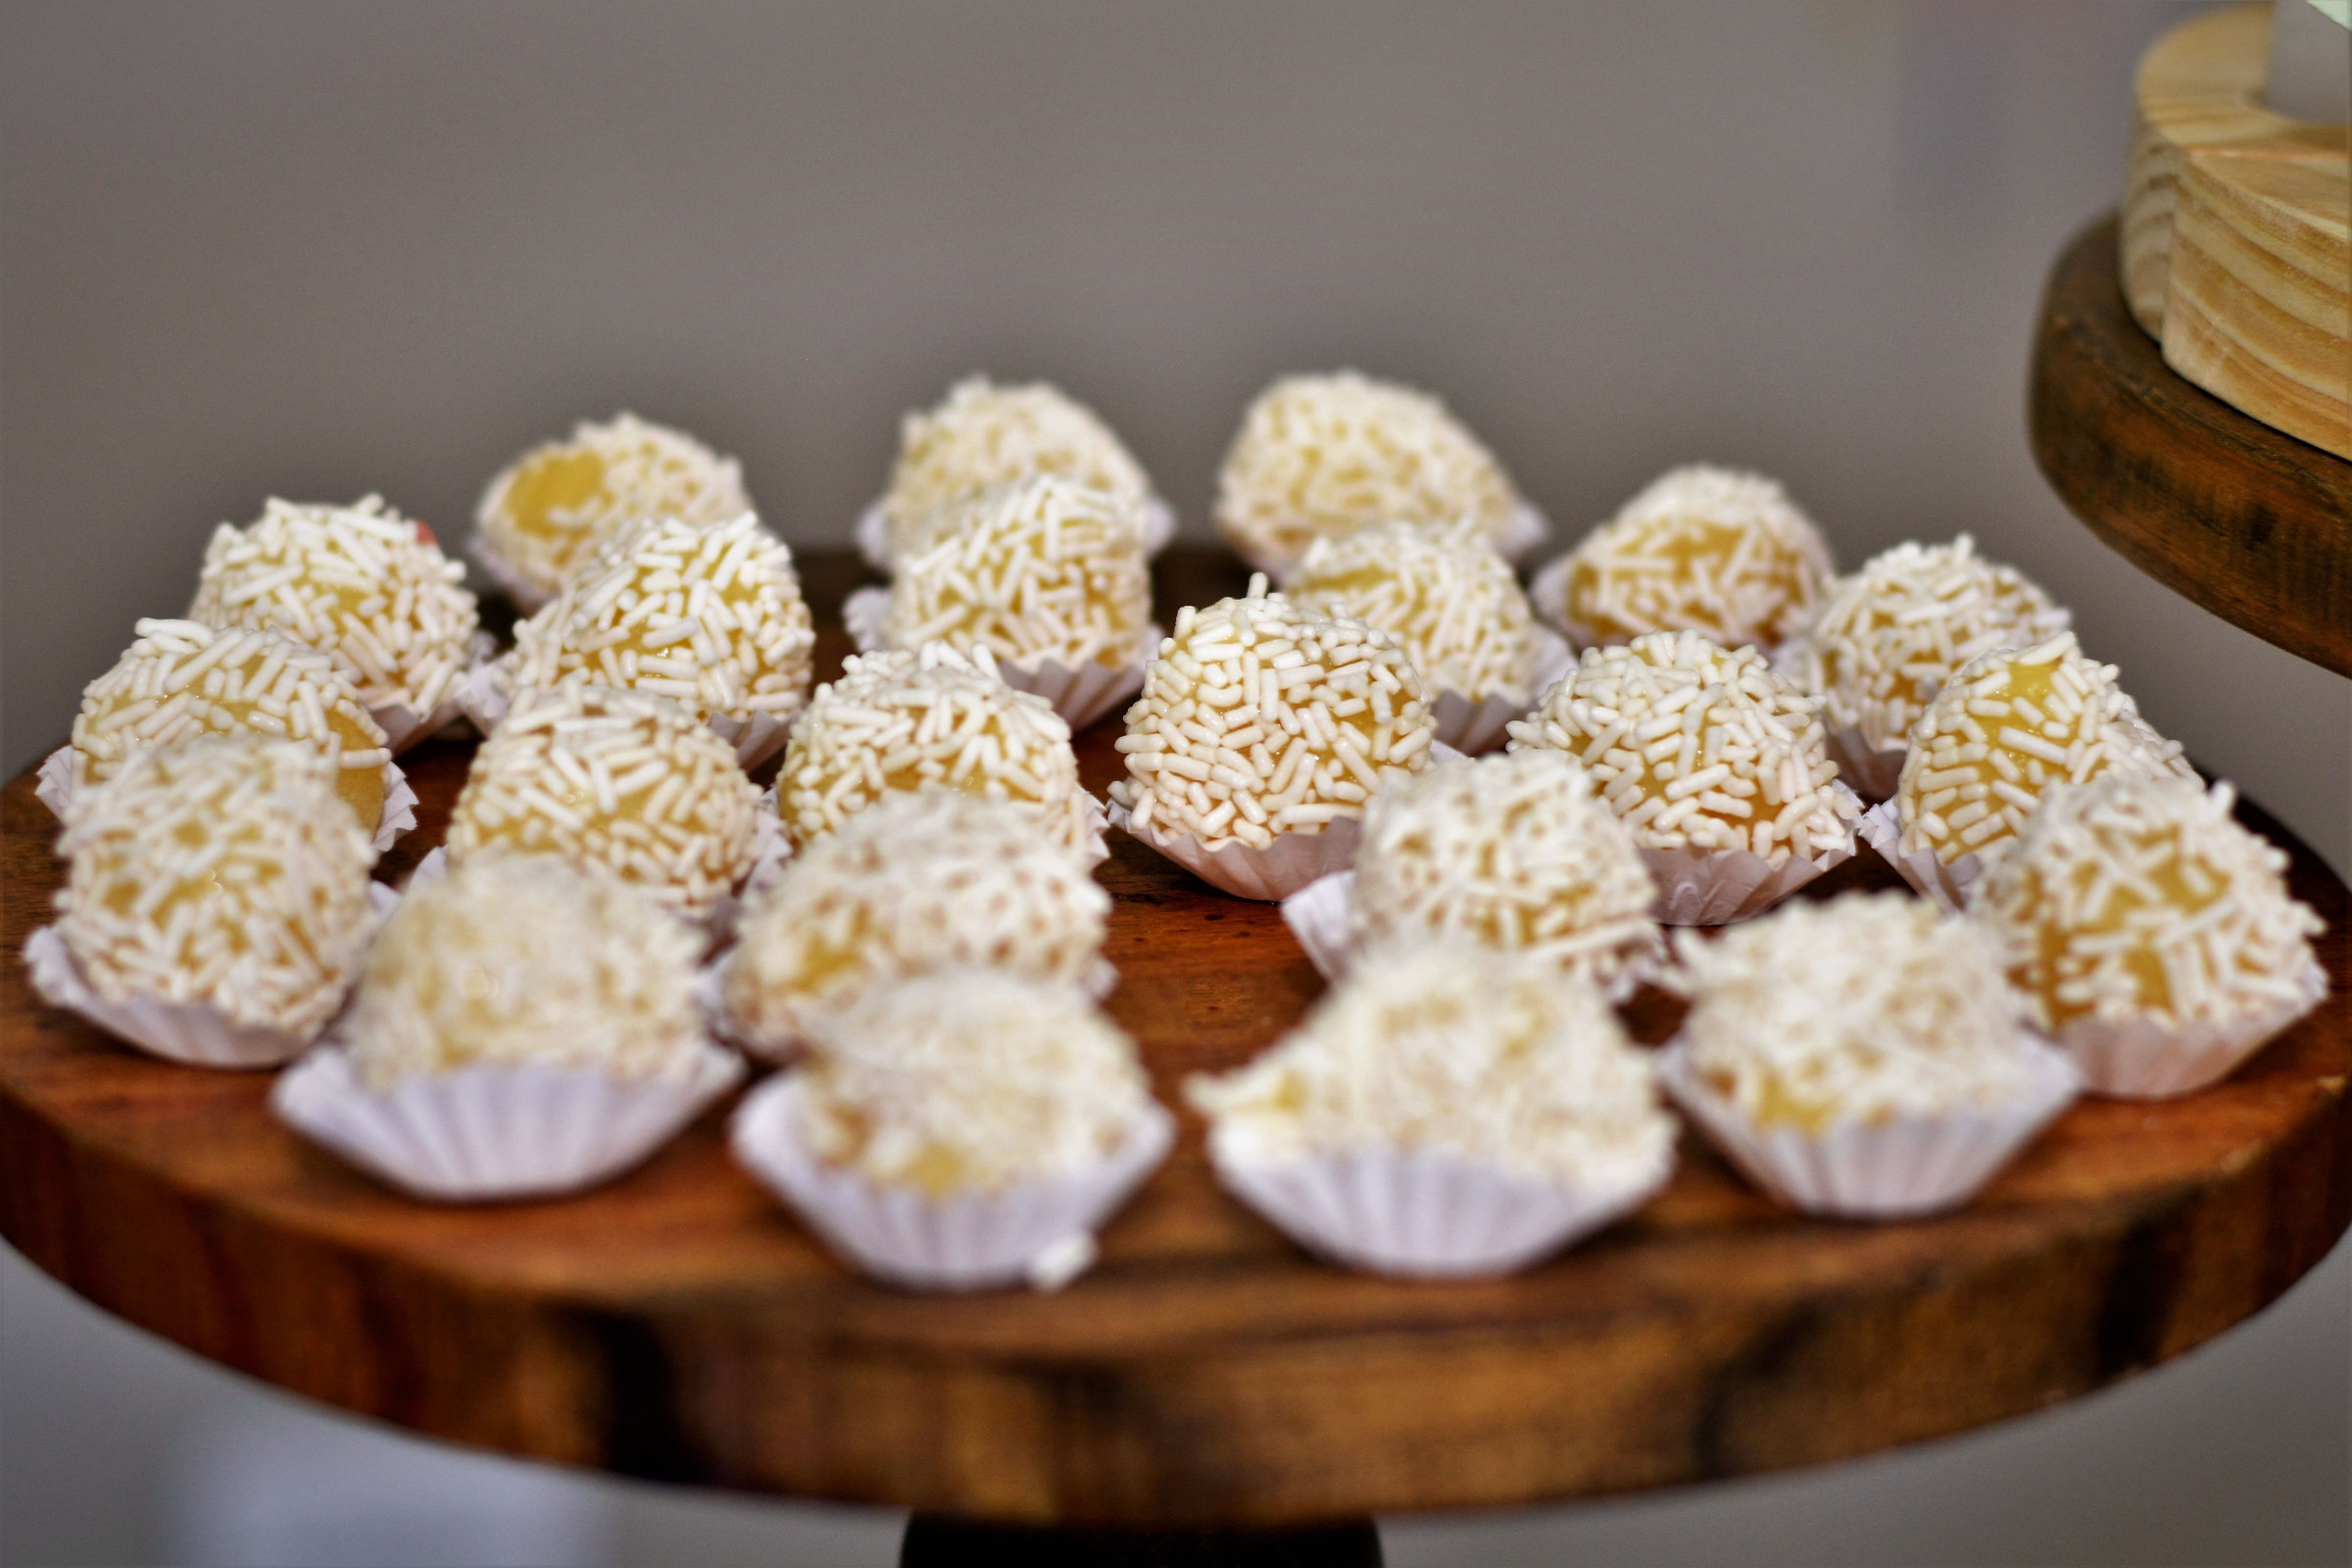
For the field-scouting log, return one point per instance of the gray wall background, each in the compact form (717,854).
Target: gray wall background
(317,250)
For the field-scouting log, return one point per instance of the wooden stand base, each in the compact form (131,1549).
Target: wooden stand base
(933,1541)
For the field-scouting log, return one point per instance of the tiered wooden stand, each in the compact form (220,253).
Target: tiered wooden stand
(1206,1375)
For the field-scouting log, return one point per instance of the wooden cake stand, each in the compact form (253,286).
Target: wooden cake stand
(1207,1376)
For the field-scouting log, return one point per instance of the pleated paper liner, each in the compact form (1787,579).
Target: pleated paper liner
(53,787)
(1950,886)
(1080,695)
(1475,726)
(527,596)
(1320,915)
(1871,772)
(485,1134)
(1423,1213)
(1270,874)
(1900,1168)
(1037,1232)
(2154,1058)
(1719,887)
(872,532)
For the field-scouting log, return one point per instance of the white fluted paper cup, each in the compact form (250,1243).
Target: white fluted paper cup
(1475,726)
(1423,1213)
(1321,916)
(54,788)
(1080,695)
(509,579)
(404,726)
(1037,1232)
(483,1134)
(1950,886)
(1721,887)
(1902,1168)
(1270,874)
(1871,772)
(871,532)
(2150,1059)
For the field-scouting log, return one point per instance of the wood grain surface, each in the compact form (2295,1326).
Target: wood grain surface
(2254,525)
(679,1324)
(2237,230)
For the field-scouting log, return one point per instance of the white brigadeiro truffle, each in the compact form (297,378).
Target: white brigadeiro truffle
(1490,1057)
(706,614)
(183,679)
(1320,456)
(916,884)
(930,717)
(222,872)
(1703,549)
(1442,593)
(1853,1011)
(612,781)
(1512,852)
(361,583)
(520,960)
(559,504)
(2141,897)
(1886,639)
(1697,746)
(969,1081)
(983,434)
(2007,726)
(1040,570)
(1260,717)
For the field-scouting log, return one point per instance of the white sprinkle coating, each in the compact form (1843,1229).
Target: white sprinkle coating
(1040,570)
(706,614)
(2005,727)
(918,883)
(221,873)
(1260,717)
(1886,639)
(1442,593)
(361,583)
(183,679)
(612,781)
(984,434)
(1492,1056)
(1321,455)
(1703,549)
(907,720)
(1512,852)
(516,960)
(1696,746)
(555,506)
(2138,897)
(1852,1010)
(969,1080)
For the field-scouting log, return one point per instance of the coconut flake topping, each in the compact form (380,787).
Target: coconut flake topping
(225,873)
(1490,1057)
(1326,455)
(969,1080)
(361,583)
(1442,593)
(983,435)
(1693,745)
(1260,717)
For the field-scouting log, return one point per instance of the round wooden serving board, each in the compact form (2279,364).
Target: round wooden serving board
(681,1324)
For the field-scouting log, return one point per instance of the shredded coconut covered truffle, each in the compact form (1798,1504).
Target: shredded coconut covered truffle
(1492,1056)
(1693,745)
(560,503)
(907,720)
(183,679)
(709,615)
(918,883)
(1322,456)
(522,960)
(1259,717)
(1512,852)
(1702,548)
(2008,725)
(983,435)
(969,1080)
(1857,1010)
(2139,897)
(1886,638)
(612,781)
(361,583)
(1040,570)
(221,873)
(1442,593)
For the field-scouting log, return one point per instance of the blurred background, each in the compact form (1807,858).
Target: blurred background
(317,250)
